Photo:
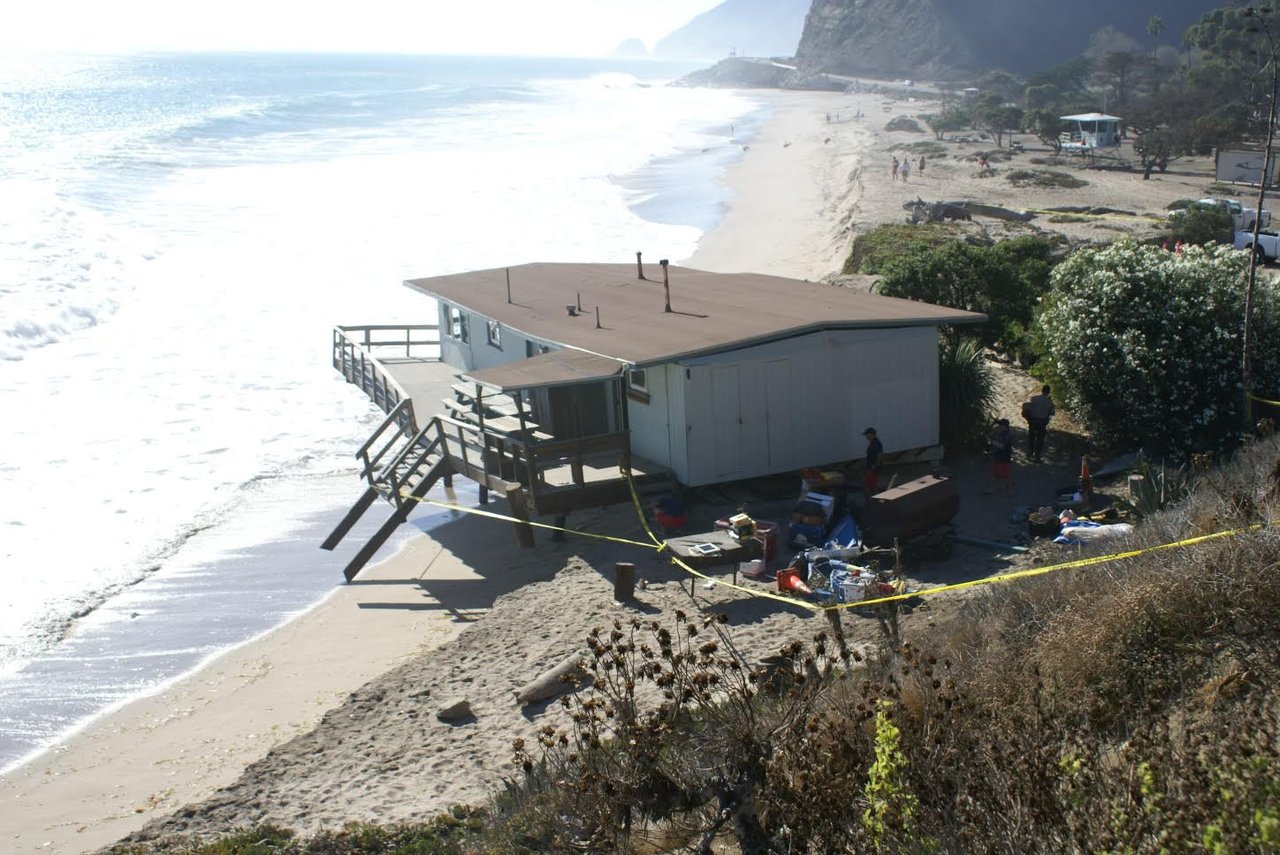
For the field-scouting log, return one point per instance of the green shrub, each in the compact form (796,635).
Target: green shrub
(1145,344)
(928,148)
(872,250)
(1201,224)
(1003,281)
(1044,178)
(966,392)
(904,123)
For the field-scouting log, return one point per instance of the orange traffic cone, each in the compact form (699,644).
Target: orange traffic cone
(1086,480)
(789,581)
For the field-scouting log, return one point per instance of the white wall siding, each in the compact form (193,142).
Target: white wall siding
(477,354)
(677,420)
(650,434)
(805,401)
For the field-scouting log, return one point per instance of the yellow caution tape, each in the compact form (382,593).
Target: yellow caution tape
(506,518)
(660,546)
(1265,401)
(1051,568)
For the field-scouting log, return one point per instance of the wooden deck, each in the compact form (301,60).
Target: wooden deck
(414,448)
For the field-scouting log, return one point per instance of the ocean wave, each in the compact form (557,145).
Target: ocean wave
(63,267)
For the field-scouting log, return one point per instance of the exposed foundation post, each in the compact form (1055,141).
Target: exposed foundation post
(624,581)
(524,531)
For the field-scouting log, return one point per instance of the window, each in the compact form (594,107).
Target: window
(495,334)
(458,324)
(638,386)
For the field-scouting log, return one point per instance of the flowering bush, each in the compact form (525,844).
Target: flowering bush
(1145,344)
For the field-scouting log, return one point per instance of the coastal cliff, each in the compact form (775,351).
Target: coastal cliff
(951,38)
(741,27)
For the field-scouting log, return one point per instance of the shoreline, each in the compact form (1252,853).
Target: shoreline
(793,190)
(181,743)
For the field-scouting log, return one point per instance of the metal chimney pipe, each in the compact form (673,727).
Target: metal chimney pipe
(666,283)
(579,301)
(597,317)
(508,284)
(639,267)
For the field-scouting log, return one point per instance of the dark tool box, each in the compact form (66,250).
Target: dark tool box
(909,510)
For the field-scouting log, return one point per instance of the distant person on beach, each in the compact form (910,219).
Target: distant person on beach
(1037,412)
(875,451)
(905,170)
(984,166)
(921,169)
(894,169)
(1002,457)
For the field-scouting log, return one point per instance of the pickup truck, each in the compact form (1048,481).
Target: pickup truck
(1267,249)
(1241,219)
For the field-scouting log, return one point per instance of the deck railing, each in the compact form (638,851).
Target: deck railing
(420,341)
(354,357)
(400,447)
(384,438)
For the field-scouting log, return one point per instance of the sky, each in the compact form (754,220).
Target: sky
(516,27)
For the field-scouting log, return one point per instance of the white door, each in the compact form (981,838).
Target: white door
(777,396)
(727,416)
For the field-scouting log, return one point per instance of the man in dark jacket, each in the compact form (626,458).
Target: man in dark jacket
(875,450)
(1037,412)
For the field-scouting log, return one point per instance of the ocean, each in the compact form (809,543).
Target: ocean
(178,236)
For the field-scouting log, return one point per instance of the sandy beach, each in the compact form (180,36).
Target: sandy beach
(333,716)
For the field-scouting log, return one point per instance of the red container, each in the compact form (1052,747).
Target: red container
(766,534)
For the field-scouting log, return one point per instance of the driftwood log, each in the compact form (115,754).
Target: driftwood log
(921,211)
(994,211)
(935,212)
(565,677)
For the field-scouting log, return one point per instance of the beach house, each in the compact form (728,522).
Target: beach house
(567,374)
(1088,131)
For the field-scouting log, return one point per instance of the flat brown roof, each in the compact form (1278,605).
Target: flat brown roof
(557,368)
(711,312)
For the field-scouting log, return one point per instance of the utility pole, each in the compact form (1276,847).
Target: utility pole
(1246,369)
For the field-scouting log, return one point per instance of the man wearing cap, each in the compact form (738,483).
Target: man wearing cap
(875,450)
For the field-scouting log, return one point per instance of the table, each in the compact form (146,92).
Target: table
(730,550)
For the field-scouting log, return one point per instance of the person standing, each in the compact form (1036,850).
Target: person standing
(1037,412)
(875,451)
(921,169)
(1002,457)
(893,167)
(905,171)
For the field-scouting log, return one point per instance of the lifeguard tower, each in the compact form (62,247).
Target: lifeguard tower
(1091,131)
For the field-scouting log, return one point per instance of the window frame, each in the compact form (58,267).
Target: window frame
(458,325)
(638,387)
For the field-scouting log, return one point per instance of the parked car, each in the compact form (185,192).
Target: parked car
(1241,219)
(1267,247)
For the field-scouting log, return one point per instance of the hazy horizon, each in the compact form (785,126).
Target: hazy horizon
(561,28)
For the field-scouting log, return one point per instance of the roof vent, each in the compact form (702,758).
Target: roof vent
(572,310)
(639,267)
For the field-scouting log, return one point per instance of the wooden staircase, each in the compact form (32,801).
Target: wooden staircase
(400,463)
